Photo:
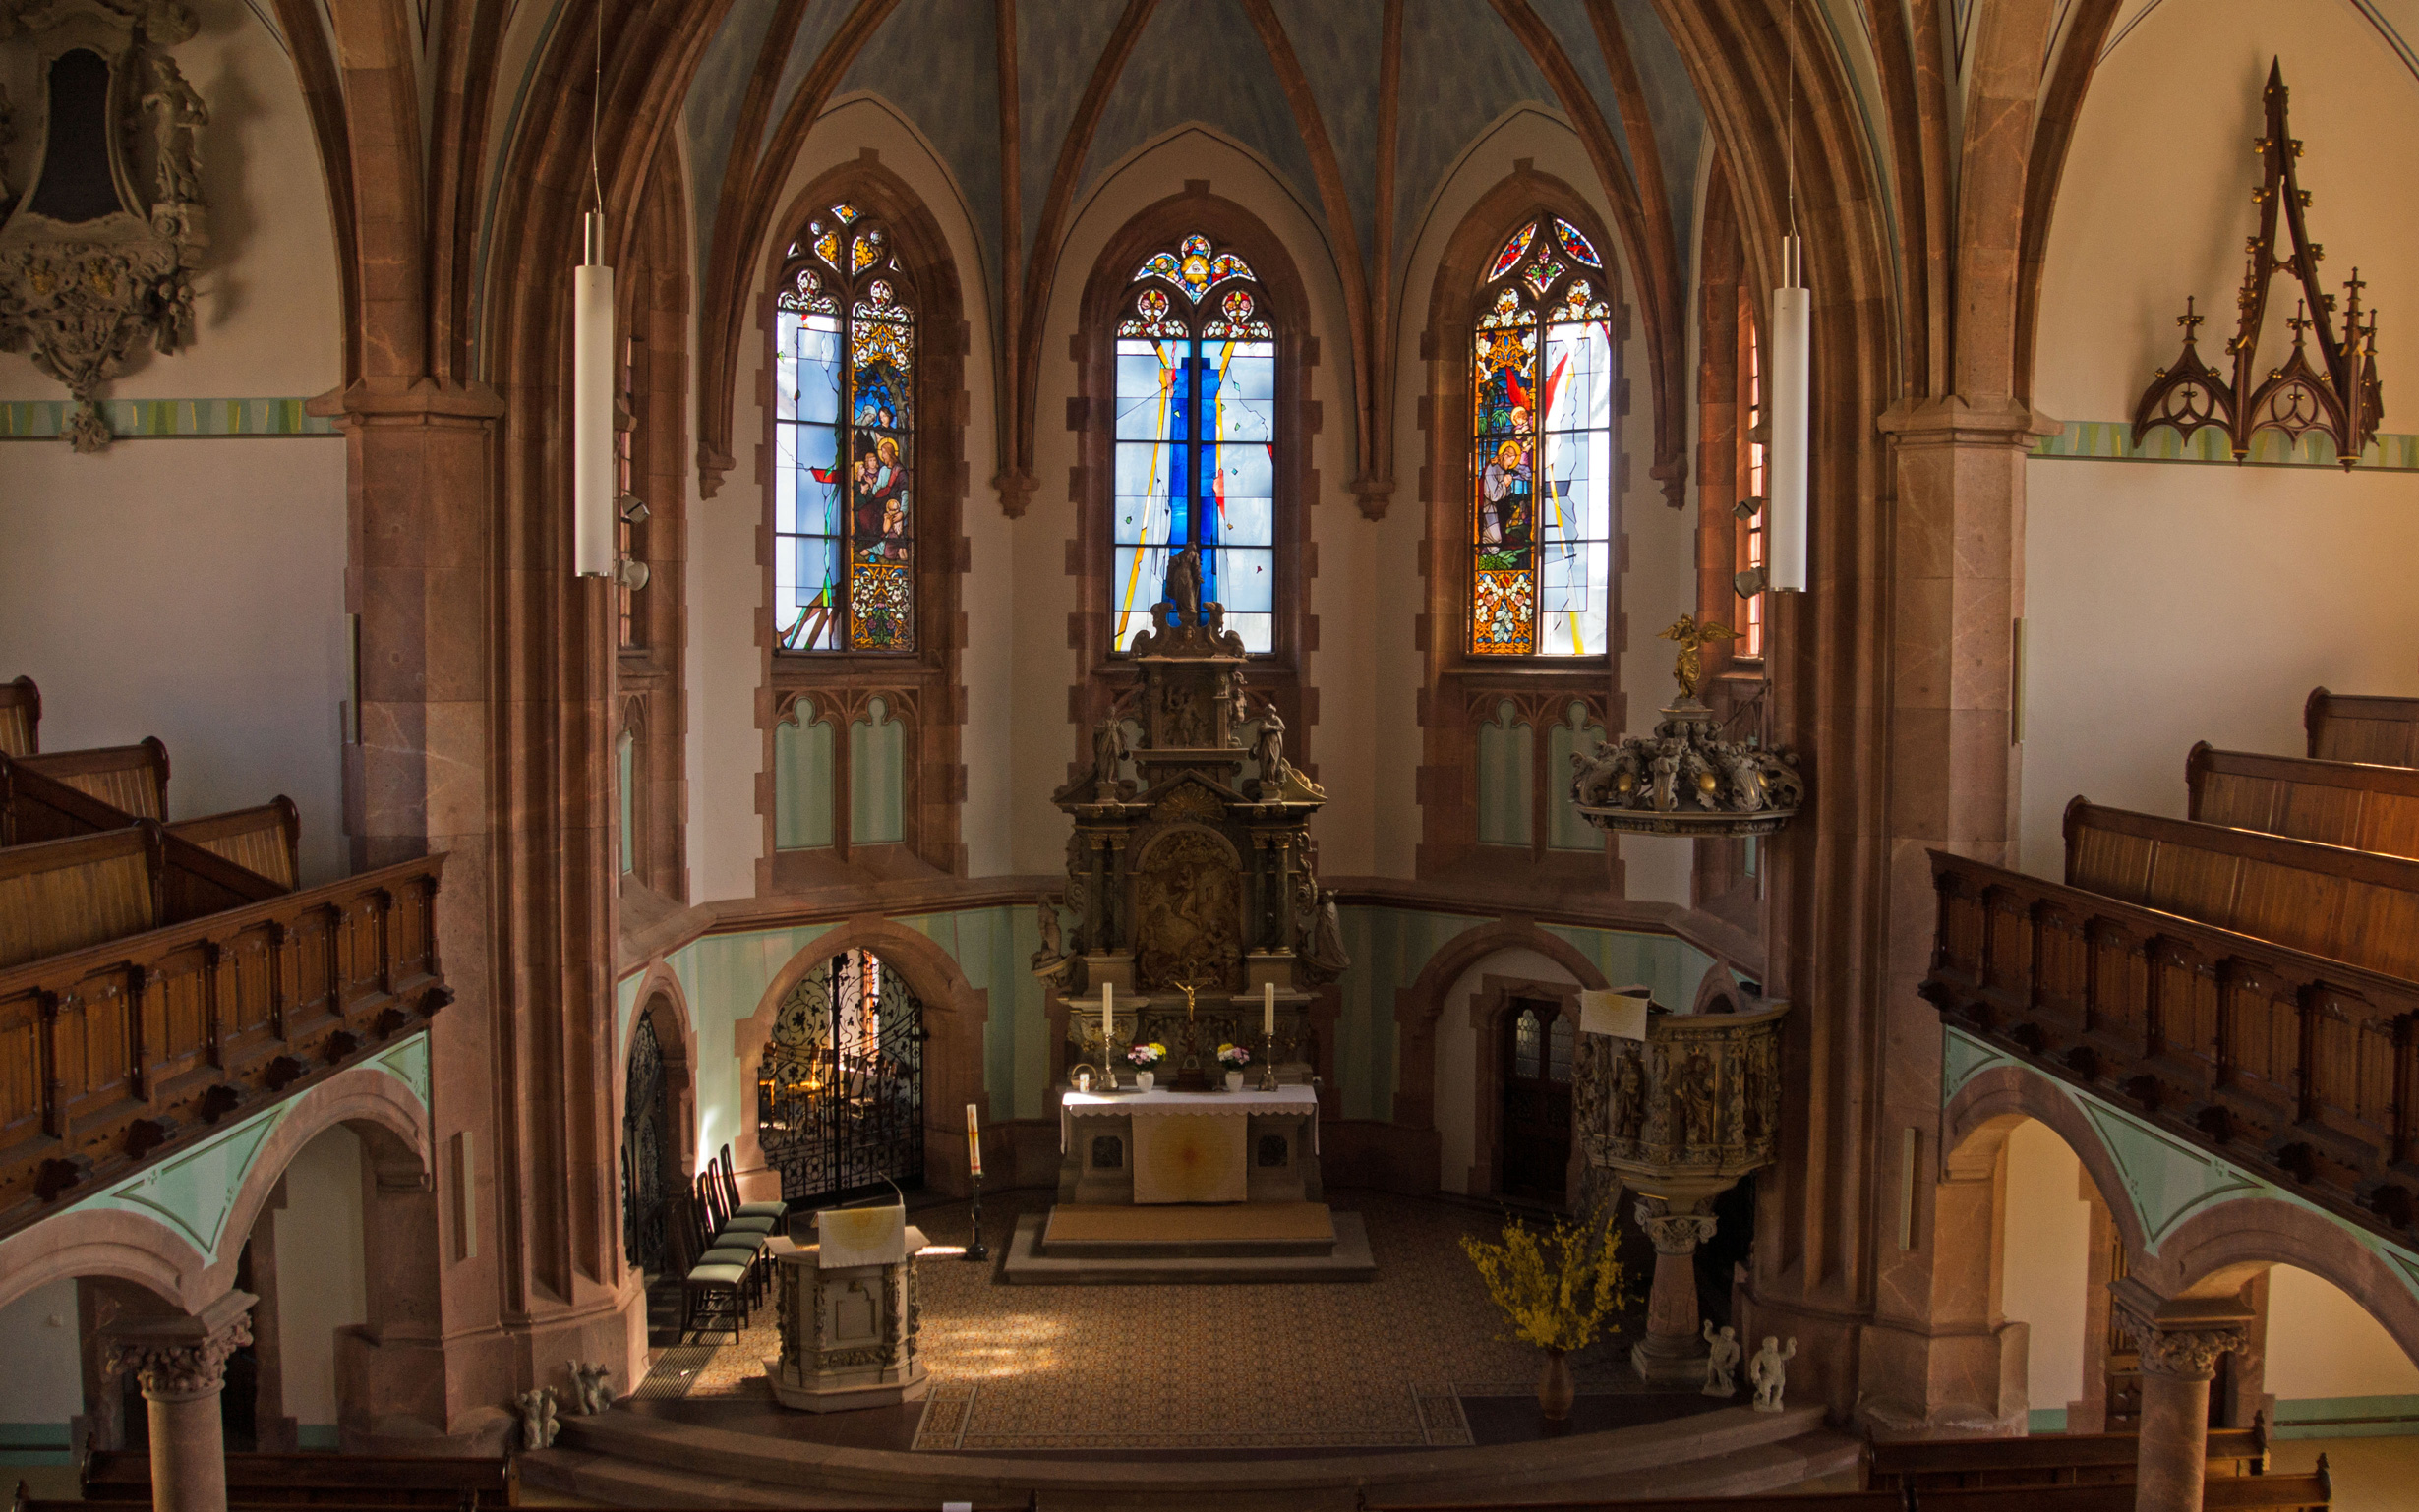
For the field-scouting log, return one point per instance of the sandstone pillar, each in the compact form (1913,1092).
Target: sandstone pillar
(1672,1353)
(2180,1342)
(181,1362)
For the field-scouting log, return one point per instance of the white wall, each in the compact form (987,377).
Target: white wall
(2322,1343)
(193,588)
(2173,603)
(322,1284)
(42,1385)
(2048,1259)
(1456,1089)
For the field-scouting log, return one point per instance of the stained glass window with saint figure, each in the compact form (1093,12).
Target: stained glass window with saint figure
(1196,440)
(844,497)
(1542,462)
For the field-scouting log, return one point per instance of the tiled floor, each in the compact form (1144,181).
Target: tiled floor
(1387,1362)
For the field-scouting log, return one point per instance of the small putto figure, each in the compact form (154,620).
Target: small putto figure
(1722,1365)
(1768,1372)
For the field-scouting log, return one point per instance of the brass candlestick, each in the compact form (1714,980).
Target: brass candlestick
(1268,1062)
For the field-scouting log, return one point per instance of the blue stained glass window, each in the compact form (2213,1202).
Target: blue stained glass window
(1196,447)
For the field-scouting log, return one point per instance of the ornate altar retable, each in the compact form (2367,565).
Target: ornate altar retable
(850,1316)
(1198,922)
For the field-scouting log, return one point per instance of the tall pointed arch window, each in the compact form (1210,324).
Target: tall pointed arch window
(845,500)
(1542,460)
(1196,440)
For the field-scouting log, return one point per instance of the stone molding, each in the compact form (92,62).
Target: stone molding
(182,1358)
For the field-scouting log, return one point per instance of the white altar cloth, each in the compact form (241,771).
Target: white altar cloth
(1159,1102)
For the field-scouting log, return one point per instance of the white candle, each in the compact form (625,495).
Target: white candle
(1108,1023)
(973,1142)
(1268,1009)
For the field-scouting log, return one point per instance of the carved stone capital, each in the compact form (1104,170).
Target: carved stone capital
(1674,1232)
(180,1359)
(2180,1339)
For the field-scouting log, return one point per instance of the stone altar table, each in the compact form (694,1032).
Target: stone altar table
(850,1316)
(1164,1146)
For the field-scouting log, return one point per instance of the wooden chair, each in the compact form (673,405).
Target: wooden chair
(722,1233)
(731,1195)
(714,1285)
(20,718)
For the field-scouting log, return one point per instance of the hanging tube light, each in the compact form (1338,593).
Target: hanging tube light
(592,405)
(1786,456)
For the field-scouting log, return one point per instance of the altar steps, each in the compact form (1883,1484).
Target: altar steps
(623,1457)
(1121,1245)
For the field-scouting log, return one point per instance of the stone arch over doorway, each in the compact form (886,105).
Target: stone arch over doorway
(956,1013)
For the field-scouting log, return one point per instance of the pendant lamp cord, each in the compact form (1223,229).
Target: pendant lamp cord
(1793,117)
(596,95)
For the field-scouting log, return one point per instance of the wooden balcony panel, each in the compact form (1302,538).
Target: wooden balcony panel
(2289,1064)
(116,1053)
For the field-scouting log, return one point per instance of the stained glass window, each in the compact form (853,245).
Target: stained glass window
(1541,463)
(1196,440)
(844,501)
(1751,530)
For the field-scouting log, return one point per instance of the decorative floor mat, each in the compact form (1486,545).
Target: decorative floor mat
(948,1407)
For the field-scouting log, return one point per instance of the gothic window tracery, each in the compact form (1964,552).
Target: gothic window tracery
(845,496)
(1195,438)
(1542,458)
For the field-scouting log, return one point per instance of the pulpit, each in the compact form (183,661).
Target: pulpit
(1198,924)
(850,1315)
(1679,1112)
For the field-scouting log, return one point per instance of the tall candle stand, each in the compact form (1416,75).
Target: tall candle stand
(976,1249)
(1268,1062)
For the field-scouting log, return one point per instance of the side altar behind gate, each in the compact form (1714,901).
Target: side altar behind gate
(1196,922)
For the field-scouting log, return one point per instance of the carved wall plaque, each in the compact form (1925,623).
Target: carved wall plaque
(106,219)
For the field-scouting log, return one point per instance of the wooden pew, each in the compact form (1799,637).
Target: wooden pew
(132,777)
(266,840)
(2351,726)
(2351,906)
(59,895)
(2041,1459)
(2350,803)
(20,718)
(124,1476)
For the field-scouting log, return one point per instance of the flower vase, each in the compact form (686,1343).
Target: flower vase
(1555,1391)
(1143,1080)
(1234,1081)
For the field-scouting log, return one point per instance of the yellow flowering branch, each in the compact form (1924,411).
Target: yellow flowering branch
(1555,1289)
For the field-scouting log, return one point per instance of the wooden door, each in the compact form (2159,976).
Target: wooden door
(1539,1038)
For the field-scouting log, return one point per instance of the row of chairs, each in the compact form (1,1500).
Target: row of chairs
(731,1241)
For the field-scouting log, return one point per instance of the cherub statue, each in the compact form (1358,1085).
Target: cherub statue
(1692,637)
(1721,1363)
(1768,1372)
(176,110)
(538,1425)
(589,1388)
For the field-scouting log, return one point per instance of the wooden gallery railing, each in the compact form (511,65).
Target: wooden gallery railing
(2295,1066)
(116,1054)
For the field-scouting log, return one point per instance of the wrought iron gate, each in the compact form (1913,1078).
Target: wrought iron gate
(840,1098)
(646,1130)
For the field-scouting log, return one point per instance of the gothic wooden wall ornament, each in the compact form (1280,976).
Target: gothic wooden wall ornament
(2341,396)
(96,249)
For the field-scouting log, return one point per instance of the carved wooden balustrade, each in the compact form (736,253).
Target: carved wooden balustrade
(113,1054)
(2293,1065)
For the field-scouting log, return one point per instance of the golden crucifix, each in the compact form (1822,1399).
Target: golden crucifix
(1692,637)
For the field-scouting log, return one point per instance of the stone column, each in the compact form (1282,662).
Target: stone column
(1672,1353)
(2180,1342)
(182,1363)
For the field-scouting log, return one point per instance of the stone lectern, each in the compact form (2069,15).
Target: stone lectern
(848,1313)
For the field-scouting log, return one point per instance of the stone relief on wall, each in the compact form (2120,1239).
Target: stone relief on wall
(101,217)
